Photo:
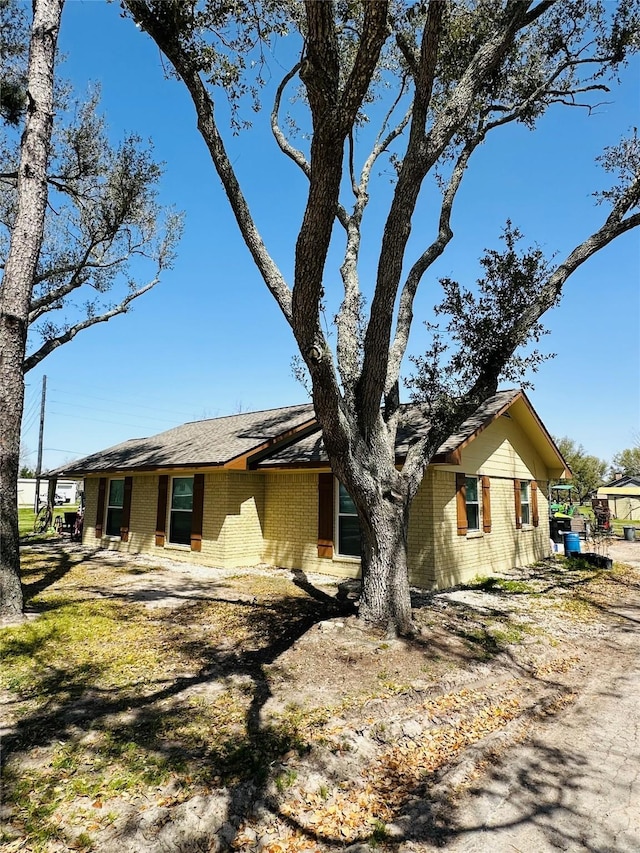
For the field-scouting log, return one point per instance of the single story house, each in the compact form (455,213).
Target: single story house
(623,495)
(257,488)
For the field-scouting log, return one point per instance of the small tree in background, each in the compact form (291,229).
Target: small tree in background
(588,471)
(627,462)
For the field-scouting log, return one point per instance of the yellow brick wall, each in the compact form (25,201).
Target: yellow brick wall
(291,526)
(241,500)
(142,524)
(272,517)
(232,520)
(420,543)
(90,504)
(453,559)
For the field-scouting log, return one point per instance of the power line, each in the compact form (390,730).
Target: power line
(160,408)
(97,420)
(32,419)
(98,409)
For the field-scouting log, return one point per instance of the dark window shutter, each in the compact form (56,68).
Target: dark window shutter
(325,515)
(197,512)
(461,503)
(126,509)
(102,491)
(517,494)
(161,518)
(534,504)
(486,504)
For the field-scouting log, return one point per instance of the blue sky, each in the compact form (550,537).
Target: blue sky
(209,340)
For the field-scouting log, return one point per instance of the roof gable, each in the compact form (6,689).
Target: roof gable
(626,481)
(308,451)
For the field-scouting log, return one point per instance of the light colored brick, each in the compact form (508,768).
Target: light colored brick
(272,516)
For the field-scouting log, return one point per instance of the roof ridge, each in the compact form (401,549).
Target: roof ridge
(241,414)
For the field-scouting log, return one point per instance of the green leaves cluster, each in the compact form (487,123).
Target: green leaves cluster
(482,329)
(627,462)
(588,471)
(106,238)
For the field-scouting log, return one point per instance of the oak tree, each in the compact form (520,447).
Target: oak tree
(440,79)
(588,471)
(627,462)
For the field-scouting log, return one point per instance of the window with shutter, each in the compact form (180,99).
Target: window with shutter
(161,515)
(347,523)
(197,513)
(517,494)
(180,511)
(126,509)
(102,490)
(535,516)
(115,504)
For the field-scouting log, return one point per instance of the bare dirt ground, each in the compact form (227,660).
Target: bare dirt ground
(509,723)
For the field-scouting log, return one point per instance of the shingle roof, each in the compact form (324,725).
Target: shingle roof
(201,443)
(627,480)
(309,449)
(276,437)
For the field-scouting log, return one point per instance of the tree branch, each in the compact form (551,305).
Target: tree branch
(283,143)
(50,345)
(422,153)
(614,226)
(445,234)
(333,118)
(167,40)
(374,34)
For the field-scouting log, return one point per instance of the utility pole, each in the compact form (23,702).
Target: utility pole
(40,440)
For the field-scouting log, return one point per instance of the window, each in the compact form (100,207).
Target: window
(524,502)
(471,493)
(348,525)
(472,504)
(181,510)
(115,507)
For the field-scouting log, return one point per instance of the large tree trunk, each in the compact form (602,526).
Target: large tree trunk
(385,601)
(383,496)
(15,292)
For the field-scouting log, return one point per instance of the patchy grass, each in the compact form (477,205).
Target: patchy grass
(618,525)
(111,699)
(494,636)
(500,584)
(579,609)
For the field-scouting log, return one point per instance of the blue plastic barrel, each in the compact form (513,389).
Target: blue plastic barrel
(571,543)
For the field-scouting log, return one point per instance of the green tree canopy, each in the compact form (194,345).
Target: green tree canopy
(588,471)
(627,462)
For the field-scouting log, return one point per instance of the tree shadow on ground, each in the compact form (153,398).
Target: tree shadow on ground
(242,762)
(138,722)
(62,565)
(538,795)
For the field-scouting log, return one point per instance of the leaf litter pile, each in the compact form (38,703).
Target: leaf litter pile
(161,707)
